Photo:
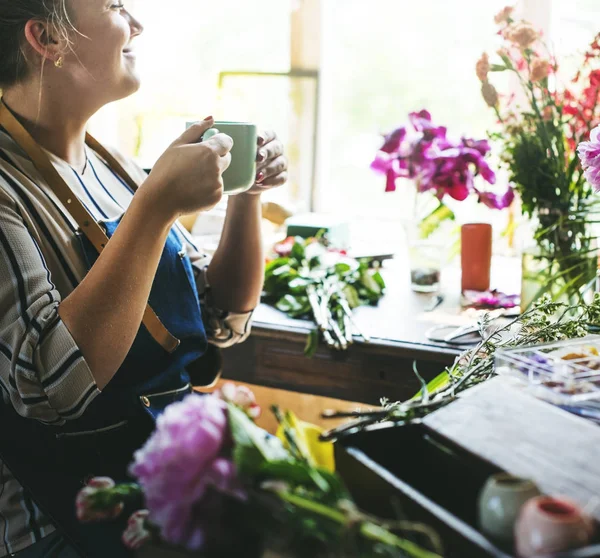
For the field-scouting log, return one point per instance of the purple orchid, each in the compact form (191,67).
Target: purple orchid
(491,299)
(497,201)
(589,154)
(435,163)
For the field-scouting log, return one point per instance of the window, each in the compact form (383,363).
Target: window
(184,47)
(375,61)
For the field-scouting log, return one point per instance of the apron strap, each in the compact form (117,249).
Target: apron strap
(111,161)
(92,230)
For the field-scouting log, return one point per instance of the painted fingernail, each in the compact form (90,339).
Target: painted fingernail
(260,176)
(261,156)
(208,118)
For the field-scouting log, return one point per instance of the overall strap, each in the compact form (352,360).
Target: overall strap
(88,225)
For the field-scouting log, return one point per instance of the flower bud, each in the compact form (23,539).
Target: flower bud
(482,67)
(490,95)
(540,68)
(523,35)
(88,505)
(136,534)
(504,15)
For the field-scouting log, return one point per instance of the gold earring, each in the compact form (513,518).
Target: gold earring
(59,62)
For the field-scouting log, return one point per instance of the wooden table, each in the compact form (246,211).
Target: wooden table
(273,355)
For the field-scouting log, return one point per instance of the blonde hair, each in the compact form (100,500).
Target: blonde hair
(14,15)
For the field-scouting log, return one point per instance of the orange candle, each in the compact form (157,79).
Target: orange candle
(476,256)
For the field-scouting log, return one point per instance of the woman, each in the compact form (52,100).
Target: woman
(79,373)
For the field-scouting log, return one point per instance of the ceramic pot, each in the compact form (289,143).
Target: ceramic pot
(500,502)
(549,525)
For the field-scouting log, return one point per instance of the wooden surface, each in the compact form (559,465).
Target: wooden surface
(305,406)
(273,356)
(528,438)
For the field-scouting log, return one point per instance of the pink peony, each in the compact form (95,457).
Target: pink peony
(181,467)
(589,154)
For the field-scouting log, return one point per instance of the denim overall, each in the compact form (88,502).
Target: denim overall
(53,463)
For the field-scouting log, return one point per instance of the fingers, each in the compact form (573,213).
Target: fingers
(220,143)
(273,182)
(265,137)
(270,151)
(195,132)
(274,168)
(224,162)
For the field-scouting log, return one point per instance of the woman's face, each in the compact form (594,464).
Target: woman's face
(102,60)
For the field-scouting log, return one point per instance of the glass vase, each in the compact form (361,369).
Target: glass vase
(425,258)
(570,279)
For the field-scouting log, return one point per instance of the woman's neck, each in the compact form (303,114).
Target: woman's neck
(58,126)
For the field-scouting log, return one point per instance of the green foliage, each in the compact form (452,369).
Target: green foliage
(308,504)
(545,322)
(316,283)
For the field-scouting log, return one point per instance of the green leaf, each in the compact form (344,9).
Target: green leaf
(369,283)
(298,250)
(288,303)
(507,61)
(274,264)
(438,382)
(351,296)
(253,446)
(297,473)
(430,223)
(312,343)
(314,262)
(298,285)
(284,270)
(342,268)
(498,68)
(303,310)
(379,279)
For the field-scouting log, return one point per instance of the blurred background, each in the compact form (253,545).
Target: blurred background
(330,76)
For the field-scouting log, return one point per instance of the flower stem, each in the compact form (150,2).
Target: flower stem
(367,529)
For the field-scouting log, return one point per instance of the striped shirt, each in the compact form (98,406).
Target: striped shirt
(43,373)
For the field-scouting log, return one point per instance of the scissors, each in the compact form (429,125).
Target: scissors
(454,335)
(467,334)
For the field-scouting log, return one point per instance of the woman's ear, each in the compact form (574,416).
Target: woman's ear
(40,37)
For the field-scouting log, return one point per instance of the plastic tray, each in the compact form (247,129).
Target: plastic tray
(565,373)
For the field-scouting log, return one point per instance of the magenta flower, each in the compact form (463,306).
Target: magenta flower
(490,299)
(435,163)
(497,201)
(393,141)
(181,468)
(589,154)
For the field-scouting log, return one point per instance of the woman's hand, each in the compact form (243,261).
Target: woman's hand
(271,165)
(187,176)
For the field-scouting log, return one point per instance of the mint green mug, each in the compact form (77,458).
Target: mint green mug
(241,174)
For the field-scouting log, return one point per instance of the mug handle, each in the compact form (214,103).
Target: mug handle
(210,133)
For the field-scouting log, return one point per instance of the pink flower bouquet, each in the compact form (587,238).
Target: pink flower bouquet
(216,484)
